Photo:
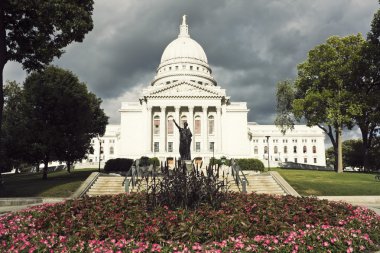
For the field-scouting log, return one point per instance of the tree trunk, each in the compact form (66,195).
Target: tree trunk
(68,164)
(45,170)
(339,159)
(3,60)
(38,167)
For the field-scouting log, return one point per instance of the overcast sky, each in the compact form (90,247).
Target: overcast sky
(250,44)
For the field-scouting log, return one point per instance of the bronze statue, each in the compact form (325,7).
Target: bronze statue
(184,141)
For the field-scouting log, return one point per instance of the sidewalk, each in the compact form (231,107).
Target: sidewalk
(17,204)
(371,202)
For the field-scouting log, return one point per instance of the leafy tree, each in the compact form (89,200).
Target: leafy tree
(63,116)
(14,141)
(320,91)
(34,32)
(352,154)
(366,88)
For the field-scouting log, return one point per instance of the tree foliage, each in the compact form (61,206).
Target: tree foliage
(33,32)
(62,115)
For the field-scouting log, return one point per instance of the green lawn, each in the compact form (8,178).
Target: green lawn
(326,183)
(58,184)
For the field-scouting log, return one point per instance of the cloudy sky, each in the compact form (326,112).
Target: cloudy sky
(250,44)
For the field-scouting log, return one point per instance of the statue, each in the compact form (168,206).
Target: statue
(184,141)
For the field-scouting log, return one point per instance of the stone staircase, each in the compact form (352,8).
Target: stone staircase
(258,183)
(107,185)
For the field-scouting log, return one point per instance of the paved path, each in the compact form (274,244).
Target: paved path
(371,202)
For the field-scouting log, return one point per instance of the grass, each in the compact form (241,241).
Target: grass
(58,184)
(328,183)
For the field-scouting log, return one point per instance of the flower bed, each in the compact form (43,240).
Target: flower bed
(244,223)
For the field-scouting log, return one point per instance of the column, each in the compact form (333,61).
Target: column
(204,129)
(176,133)
(191,126)
(218,129)
(149,132)
(163,129)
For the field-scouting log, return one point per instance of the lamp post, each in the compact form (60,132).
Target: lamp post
(100,151)
(268,151)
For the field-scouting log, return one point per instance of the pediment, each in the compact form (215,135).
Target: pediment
(185,89)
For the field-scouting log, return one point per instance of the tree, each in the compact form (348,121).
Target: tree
(352,154)
(14,141)
(365,87)
(63,116)
(34,32)
(321,97)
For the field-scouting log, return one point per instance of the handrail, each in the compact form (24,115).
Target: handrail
(235,171)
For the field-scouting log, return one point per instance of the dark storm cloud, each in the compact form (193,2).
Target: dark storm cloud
(250,45)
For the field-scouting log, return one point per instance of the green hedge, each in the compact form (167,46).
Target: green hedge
(250,164)
(146,161)
(118,164)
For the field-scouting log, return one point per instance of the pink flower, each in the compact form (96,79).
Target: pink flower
(326,244)
(350,250)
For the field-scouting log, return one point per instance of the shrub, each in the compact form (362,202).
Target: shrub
(183,189)
(154,161)
(250,164)
(118,164)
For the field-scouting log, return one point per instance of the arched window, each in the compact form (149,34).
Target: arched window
(265,149)
(304,149)
(275,149)
(156,125)
(170,125)
(285,149)
(256,150)
(111,150)
(314,149)
(211,127)
(183,120)
(294,149)
(197,125)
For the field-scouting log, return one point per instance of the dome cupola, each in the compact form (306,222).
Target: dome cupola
(183,59)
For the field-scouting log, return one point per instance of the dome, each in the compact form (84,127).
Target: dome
(184,47)
(183,59)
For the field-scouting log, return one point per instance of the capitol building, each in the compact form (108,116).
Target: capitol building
(184,89)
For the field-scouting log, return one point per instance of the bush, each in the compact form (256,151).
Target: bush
(250,164)
(118,164)
(154,161)
(183,189)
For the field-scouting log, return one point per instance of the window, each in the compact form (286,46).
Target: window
(170,125)
(295,160)
(255,150)
(275,149)
(211,146)
(314,149)
(197,125)
(170,68)
(111,150)
(211,125)
(156,147)
(305,160)
(197,147)
(315,160)
(183,120)
(285,149)
(286,160)
(304,149)
(101,150)
(191,67)
(170,146)
(266,150)
(295,149)
(156,125)
(176,67)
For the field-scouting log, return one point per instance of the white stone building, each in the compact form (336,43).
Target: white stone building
(185,90)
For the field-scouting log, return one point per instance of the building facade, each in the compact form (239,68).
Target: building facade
(184,89)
